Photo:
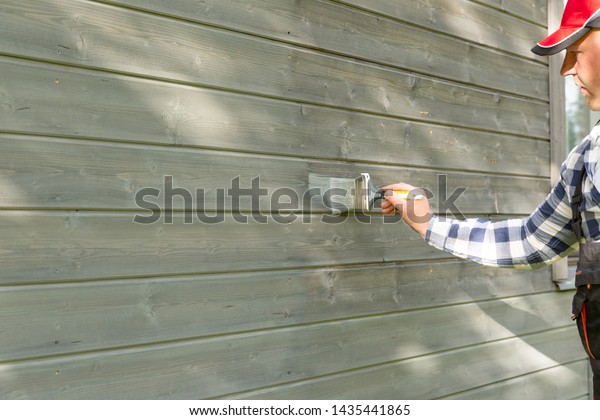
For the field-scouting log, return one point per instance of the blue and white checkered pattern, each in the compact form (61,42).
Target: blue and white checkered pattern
(543,237)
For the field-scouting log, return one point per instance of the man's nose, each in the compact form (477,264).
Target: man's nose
(568,66)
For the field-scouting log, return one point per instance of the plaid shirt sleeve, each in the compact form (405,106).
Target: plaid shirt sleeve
(537,240)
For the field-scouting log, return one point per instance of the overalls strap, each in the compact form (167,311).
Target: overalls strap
(575,204)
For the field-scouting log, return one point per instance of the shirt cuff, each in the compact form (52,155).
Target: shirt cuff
(437,232)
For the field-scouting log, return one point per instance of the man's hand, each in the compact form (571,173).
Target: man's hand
(414,207)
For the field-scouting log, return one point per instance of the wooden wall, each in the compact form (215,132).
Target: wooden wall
(101,99)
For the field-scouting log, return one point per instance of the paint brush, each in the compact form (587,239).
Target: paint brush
(345,194)
(366,194)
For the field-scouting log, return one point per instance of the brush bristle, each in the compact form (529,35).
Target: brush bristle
(362,187)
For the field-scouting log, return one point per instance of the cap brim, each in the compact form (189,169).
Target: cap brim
(559,40)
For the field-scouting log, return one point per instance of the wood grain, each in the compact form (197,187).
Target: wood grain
(102,99)
(63,318)
(370,37)
(87,175)
(474,21)
(438,375)
(219,365)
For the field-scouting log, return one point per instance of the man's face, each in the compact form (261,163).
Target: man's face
(582,61)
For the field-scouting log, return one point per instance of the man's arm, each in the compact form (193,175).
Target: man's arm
(540,239)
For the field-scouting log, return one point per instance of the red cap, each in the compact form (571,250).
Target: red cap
(578,18)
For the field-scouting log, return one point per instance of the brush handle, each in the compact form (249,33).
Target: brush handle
(404,194)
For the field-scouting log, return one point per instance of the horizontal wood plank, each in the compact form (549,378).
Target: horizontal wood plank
(535,11)
(70,174)
(472,21)
(435,376)
(212,367)
(295,75)
(58,101)
(563,382)
(45,320)
(57,246)
(321,25)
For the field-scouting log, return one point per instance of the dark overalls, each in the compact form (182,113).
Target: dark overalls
(586,302)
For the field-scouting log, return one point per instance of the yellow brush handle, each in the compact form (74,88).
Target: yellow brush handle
(404,195)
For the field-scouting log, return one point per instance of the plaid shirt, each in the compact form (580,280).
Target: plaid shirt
(539,239)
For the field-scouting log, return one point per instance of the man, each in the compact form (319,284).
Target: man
(568,219)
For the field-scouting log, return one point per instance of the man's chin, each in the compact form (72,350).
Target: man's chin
(593,103)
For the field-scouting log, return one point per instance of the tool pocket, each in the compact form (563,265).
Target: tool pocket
(586,311)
